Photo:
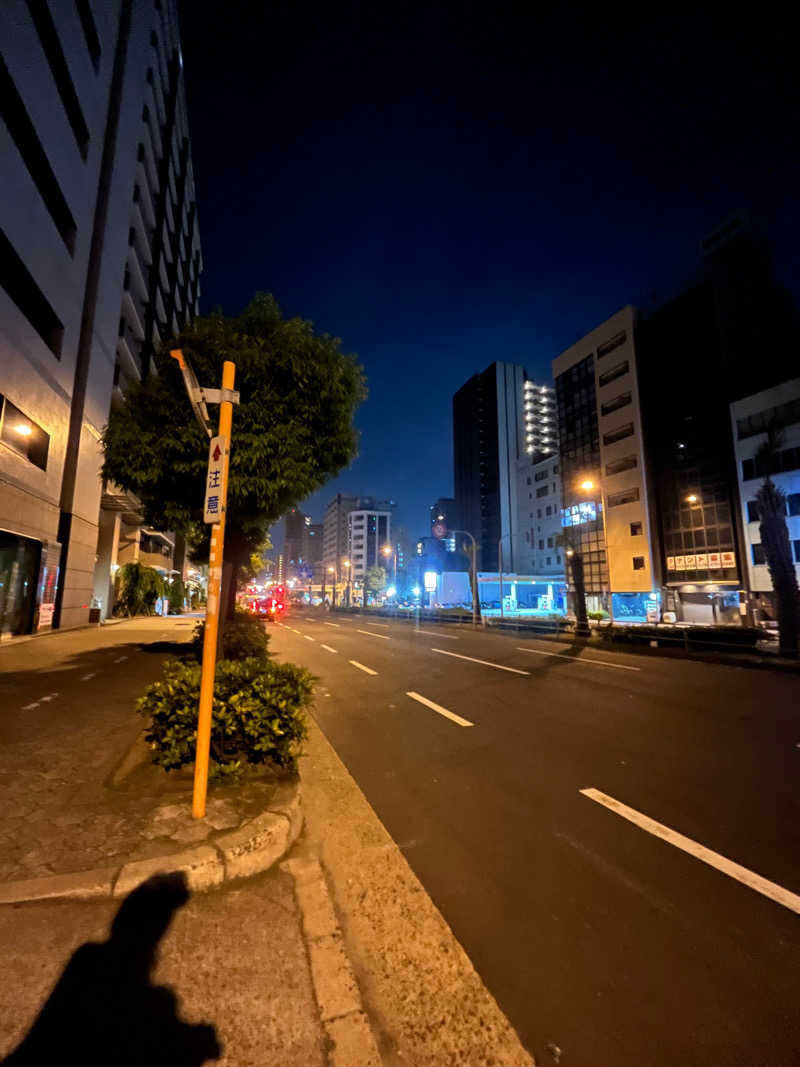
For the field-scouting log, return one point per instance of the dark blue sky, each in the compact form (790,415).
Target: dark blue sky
(452,184)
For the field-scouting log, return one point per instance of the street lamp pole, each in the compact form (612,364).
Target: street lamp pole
(589,485)
(500,569)
(475,604)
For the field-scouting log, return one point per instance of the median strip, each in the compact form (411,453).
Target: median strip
(369,633)
(577,659)
(484,662)
(720,863)
(361,667)
(440,710)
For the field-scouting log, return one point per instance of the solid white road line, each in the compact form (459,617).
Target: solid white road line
(86,677)
(432,633)
(438,708)
(686,844)
(336,624)
(578,659)
(328,648)
(361,667)
(385,625)
(369,633)
(485,662)
(308,637)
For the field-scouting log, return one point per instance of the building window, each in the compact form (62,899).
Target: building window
(626,496)
(619,434)
(636,529)
(23,435)
(786,460)
(638,563)
(752,511)
(538,477)
(543,490)
(613,373)
(793,503)
(541,543)
(614,342)
(777,417)
(618,402)
(24,135)
(51,46)
(796,551)
(18,282)
(89,31)
(625,464)
(758,554)
(549,509)
(539,513)
(549,560)
(529,479)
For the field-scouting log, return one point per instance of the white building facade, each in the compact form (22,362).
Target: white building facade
(751,416)
(369,532)
(99,261)
(539,501)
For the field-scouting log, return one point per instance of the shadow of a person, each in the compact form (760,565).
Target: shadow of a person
(104,1009)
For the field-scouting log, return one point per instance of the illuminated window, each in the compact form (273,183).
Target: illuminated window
(23,435)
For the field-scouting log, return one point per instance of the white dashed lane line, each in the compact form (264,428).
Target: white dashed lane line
(86,677)
(369,633)
(440,710)
(361,667)
(336,624)
(431,633)
(120,660)
(328,648)
(720,863)
(581,660)
(484,662)
(308,637)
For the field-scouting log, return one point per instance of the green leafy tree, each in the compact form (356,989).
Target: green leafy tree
(771,504)
(374,581)
(292,430)
(139,587)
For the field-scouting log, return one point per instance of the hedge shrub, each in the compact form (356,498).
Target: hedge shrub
(695,636)
(243,636)
(257,714)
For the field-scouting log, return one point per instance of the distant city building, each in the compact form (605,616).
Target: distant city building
(336,527)
(644,414)
(443,511)
(601,442)
(369,532)
(777,408)
(99,262)
(539,497)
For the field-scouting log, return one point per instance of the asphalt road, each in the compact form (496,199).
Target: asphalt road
(606,939)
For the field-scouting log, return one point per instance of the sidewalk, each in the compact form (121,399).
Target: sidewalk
(280,965)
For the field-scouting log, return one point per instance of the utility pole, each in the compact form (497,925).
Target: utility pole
(214,512)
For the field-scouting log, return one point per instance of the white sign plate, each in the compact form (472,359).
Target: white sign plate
(215,487)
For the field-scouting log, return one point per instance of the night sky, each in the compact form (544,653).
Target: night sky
(444,186)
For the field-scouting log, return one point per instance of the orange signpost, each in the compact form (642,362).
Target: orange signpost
(216,498)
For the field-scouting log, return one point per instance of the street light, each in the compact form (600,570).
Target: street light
(325,572)
(390,550)
(588,485)
(692,498)
(347,565)
(475,603)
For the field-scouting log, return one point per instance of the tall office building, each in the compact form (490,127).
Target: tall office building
(369,532)
(99,262)
(500,418)
(336,544)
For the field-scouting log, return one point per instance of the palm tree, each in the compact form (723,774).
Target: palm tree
(771,504)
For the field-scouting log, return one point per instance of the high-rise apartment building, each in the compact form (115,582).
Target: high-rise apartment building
(336,544)
(500,419)
(369,532)
(539,498)
(99,262)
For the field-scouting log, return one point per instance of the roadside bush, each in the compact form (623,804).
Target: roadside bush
(176,596)
(597,616)
(257,714)
(697,637)
(243,636)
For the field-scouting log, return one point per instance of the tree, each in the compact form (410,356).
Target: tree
(771,504)
(138,590)
(292,430)
(574,558)
(374,581)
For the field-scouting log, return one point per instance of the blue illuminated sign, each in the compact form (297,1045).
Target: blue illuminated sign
(578,514)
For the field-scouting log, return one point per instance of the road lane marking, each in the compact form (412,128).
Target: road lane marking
(720,863)
(86,677)
(432,633)
(293,630)
(385,625)
(577,659)
(48,698)
(328,648)
(440,710)
(308,637)
(485,662)
(121,658)
(361,667)
(336,624)
(30,707)
(369,633)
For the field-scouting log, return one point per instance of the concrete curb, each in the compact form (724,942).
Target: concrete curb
(251,849)
(341,1010)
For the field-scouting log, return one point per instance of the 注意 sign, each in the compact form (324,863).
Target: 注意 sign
(215,489)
